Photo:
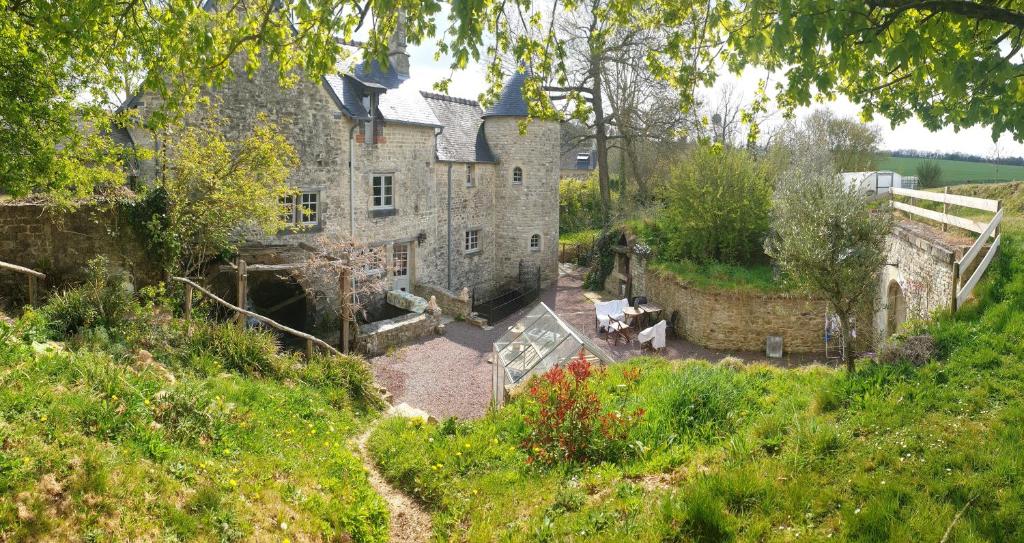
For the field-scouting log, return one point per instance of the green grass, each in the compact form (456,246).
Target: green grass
(583,236)
(955,171)
(755,453)
(753,278)
(220,438)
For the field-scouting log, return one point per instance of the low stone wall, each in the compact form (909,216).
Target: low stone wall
(375,337)
(736,320)
(31,236)
(452,304)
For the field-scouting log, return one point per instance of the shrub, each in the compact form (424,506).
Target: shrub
(250,351)
(916,349)
(718,209)
(929,174)
(102,300)
(579,204)
(347,374)
(566,422)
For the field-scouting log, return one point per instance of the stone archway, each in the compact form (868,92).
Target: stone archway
(896,307)
(281,298)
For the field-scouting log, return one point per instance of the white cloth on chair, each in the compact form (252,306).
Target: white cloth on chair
(614,309)
(654,334)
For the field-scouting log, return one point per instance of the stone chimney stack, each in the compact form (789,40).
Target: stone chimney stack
(398,58)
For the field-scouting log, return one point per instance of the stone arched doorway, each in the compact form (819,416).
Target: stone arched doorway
(896,307)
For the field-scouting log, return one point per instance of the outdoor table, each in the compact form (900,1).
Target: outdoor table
(633,316)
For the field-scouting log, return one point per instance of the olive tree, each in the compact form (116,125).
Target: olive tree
(828,239)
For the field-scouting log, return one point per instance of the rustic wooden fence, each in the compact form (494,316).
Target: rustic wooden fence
(33,279)
(985,230)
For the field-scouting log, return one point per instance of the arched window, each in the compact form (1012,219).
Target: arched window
(535,242)
(517,176)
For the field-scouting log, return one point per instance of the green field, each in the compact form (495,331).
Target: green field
(956,171)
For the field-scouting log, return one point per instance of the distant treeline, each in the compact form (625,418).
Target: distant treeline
(912,153)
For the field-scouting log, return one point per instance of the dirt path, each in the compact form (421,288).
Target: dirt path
(409,522)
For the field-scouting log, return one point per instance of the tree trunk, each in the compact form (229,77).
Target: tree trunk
(844,322)
(601,139)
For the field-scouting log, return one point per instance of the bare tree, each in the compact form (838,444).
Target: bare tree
(329,257)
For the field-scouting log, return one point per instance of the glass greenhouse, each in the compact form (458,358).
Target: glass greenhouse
(539,341)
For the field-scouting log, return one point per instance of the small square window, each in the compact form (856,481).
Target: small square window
(470,175)
(517,176)
(535,242)
(383,192)
(472,241)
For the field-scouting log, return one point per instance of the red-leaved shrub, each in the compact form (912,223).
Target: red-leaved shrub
(566,422)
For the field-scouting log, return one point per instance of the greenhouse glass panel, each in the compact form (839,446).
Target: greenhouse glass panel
(535,344)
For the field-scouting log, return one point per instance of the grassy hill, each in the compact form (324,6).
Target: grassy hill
(956,171)
(894,452)
(130,429)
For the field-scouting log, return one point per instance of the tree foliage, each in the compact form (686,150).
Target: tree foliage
(217,190)
(826,238)
(717,208)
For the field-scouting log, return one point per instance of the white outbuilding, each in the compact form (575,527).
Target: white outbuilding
(872,183)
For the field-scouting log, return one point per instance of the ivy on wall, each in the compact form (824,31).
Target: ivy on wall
(602,259)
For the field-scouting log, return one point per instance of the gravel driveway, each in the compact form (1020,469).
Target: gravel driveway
(449,376)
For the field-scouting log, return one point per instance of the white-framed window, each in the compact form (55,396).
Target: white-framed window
(472,240)
(301,209)
(535,242)
(470,175)
(517,176)
(383,191)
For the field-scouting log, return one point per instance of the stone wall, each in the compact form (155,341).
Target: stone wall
(921,265)
(32,237)
(452,304)
(375,337)
(736,320)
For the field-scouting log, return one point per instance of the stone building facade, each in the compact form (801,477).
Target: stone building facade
(460,197)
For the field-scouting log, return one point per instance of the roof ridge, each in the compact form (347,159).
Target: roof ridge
(446,98)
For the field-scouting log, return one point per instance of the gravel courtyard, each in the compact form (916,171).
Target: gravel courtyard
(449,376)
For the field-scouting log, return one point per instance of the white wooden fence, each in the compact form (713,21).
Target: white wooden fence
(985,231)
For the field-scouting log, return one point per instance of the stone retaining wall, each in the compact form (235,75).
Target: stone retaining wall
(452,304)
(736,320)
(31,236)
(375,337)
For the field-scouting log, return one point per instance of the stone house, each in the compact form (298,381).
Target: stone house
(459,196)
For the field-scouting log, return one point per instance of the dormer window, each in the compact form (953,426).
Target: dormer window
(373,129)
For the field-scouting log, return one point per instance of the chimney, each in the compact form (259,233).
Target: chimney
(398,58)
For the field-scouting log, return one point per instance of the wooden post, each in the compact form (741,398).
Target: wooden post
(242,277)
(188,309)
(309,349)
(32,290)
(945,191)
(345,288)
(956,284)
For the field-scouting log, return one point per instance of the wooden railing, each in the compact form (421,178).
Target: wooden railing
(984,230)
(310,340)
(33,279)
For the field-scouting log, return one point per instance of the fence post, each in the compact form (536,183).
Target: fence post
(242,278)
(344,286)
(188,309)
(945,191)
(32,290)
(956,285)
(309,349)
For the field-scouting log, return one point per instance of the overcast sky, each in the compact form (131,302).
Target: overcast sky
(469,83)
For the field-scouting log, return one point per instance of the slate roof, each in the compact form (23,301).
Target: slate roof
(462,139)
(346,97)
(372,74)
(511,102)
(406,105)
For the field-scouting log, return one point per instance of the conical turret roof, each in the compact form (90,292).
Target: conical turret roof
(511,103)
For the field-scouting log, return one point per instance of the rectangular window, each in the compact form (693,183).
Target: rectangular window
(472,241)
(309,208)
(303,209)
(470,176)
(383,192)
